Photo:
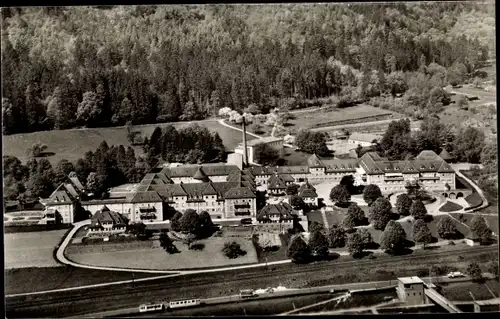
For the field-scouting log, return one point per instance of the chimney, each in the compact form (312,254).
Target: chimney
(245,151)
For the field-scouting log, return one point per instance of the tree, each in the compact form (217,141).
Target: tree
(468,145)
(380,213)
(393,238)
(421,232)
(232,250)
(298,250)
(340,194)
(492,268)
(297,202)
(89,109)
(396,141)
(403,204)
(206,224)
(312,142)
(357,214)
(446,228)
(336,236)
(292,189)
(167,244)
(349,222)
(474,271)
(136,229)
(190,222)
(366,237)
(318,243)
(348,182)
(63,168)
(371,193)
(175,222)
(480,229)
(417,209)
(355,244)
(36,150)
(265,154)
(315,226)
(462,102)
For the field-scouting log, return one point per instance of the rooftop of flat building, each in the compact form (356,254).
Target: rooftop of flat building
(411,280)
(264,140)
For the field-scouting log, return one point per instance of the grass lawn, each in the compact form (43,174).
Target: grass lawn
(466,218)
(72,144)
(294,158)
(460,291)
(474,199)
(22,280)
(325,116)
(148,255)
(32,249)
(450,207)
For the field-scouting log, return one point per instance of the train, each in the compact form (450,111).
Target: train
(178,304)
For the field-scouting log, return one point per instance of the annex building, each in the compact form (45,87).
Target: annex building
(227,192)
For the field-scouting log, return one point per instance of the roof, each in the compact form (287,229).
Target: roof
(106,215)
(190,170)
(363,137)
(428,155)
(340,165)
(200,175)
(239,192)
(314,162)
(146,197)
(60,195)
(76,182)
(307,190)
(411,280)
(263,140)
(287,178)
(283,210)
(275,182)
(445,155)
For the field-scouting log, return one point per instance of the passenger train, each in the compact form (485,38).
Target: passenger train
(151,307)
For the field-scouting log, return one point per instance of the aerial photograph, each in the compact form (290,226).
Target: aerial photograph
(270,159)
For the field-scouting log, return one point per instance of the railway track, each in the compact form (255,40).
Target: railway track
(129,294)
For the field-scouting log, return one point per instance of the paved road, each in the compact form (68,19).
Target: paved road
(132,294)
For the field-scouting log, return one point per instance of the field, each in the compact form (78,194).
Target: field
(23,280)
(22,218)
(33,249)
(460,291)
(324,117)
(72,144)
(148,255)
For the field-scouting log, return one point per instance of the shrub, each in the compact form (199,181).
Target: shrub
(197,246)
(232,250)
(451,243)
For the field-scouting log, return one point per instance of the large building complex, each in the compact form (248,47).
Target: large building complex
(228,192)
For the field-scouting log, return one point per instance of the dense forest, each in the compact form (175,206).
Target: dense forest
(104,66)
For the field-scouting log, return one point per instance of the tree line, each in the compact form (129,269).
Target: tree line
(93,67)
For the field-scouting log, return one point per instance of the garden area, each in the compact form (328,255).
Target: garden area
(193,242)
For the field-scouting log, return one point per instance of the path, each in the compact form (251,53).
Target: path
(380,122)
(223,122)
(325,220)
(476,188)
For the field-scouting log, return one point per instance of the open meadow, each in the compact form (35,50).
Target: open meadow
(334,116)
(31,249)
(148,255)
(72,144)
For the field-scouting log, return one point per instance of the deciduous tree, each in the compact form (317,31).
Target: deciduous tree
(393,238)
(298,250)
(371,193)
(380,213)
(403,204)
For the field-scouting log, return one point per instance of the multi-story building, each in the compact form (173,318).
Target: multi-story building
(227,192)
(106,222)
(274,142)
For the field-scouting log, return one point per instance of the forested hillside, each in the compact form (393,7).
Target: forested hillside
(93,67)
